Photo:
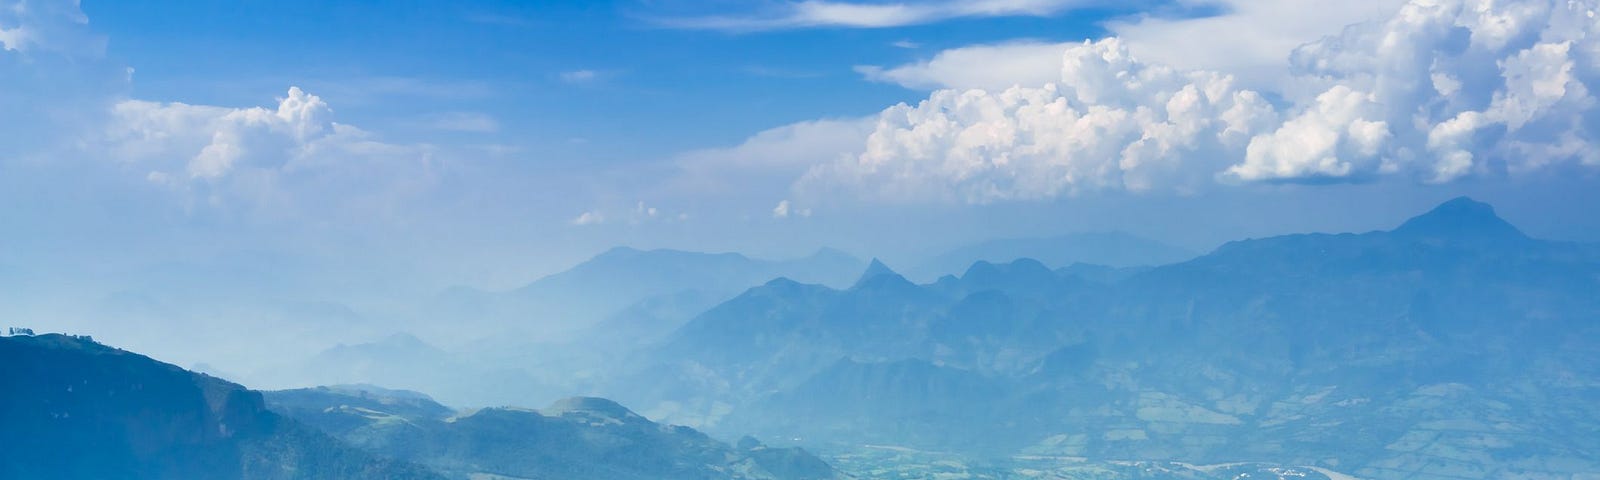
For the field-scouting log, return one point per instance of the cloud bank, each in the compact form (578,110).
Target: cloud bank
(1439,91)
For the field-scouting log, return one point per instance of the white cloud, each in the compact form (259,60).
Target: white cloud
(1323,142)
(589,218)
(580,76)
(49,26)
(644,211)
(461,122)
(1458,86)
(1440,90)
(771,159)
(1109,122)
(1250,39)
(288,160)
(839,14)
(989,67)
(210,141)
(906,44)
(54,77)
(796,146)
(640,213)
(784,209)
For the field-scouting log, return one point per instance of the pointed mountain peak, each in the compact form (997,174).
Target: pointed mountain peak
(1460,218)
(874,270)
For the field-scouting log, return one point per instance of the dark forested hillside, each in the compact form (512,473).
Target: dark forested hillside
(74,409)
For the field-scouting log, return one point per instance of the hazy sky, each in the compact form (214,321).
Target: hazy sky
(394,148)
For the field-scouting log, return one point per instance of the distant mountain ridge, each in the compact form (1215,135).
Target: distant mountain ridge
(1114,249)
(1320,338)
(612,282)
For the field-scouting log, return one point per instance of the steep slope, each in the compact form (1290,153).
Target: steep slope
(576,438)
(73,408)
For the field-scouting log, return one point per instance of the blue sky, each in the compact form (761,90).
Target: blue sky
(361,152)
(546,73)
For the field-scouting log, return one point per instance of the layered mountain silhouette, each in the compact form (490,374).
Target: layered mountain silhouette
(1113,249)
(576,438)
(75,409)
(615,283)
(1451,346)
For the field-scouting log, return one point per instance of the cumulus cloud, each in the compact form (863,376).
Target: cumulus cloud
(1441,90)
(1109,122)
(1249,39)
(1436,91)
(292,156)
(840,14)
(286,160)
(207,142)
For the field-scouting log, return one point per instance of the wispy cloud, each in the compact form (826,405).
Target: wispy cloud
(785,209)
(589,218)
(500,19)
(773,72)
(580,76)
(844,14)
(990,67)
(460,122)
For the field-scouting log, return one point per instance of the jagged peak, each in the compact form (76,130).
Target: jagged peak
(1460,218)
(875,270)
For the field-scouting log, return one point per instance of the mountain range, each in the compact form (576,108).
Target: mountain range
(1111,249)
(76,409)
(615,283)
(1452,346)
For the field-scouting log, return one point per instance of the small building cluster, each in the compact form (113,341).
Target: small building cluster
(18,331)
